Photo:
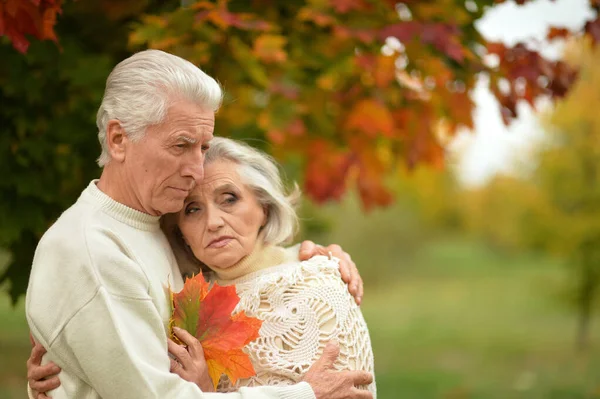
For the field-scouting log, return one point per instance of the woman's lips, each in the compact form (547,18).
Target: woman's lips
(220,242)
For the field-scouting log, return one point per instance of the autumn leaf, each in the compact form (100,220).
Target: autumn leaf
(270,48)
(371,118)
(37,18)
(207,314)
(557,33)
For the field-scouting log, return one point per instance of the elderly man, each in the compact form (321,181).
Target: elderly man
(96,298)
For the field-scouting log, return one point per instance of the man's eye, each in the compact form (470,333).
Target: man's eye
(181,145)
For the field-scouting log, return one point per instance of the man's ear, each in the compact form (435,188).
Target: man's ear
(116,140)
(265,215)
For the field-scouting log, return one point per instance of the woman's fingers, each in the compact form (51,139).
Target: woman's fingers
(43,386)
(181,354)
(194,346)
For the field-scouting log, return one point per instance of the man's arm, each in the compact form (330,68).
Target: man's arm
(120,346)
(110,335)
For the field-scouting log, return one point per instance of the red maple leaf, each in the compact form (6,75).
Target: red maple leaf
(28,17)
(207,314)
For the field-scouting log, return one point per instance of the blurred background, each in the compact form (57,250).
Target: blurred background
(451,147)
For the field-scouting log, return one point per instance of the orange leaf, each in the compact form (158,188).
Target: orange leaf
(28,17)
(557,33)
(270,48)
(207,314)
(327,171)
(372,118)
(215,370)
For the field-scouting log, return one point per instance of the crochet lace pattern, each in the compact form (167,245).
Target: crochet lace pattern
(303,305)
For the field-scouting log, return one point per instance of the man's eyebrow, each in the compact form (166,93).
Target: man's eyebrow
(187,138)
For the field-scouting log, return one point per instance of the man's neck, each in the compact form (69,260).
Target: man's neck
(114,184)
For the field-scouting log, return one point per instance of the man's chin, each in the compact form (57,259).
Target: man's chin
(172,206)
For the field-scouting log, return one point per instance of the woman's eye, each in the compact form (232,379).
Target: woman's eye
(191,209)
(230,199)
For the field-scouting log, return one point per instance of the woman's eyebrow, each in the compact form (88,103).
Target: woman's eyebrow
(191,198)
(226,187)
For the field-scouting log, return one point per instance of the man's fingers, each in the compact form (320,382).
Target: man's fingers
(307,250)
(361,291)
(180,353)
(42,372)
(361,377)
(356,286)
(360,394)
(329,356)
(37,353)
(45,385)
(345,270)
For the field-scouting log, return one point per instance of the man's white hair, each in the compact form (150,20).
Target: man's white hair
(139,91)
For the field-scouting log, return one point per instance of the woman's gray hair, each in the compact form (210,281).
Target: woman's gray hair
(140,88)
(259,172)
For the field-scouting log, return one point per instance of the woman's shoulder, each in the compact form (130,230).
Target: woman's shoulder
(293,271)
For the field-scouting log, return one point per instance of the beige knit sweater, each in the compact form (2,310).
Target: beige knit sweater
(303,305)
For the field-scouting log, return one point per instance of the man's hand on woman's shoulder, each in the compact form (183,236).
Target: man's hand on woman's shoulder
(327,383)
(348,269)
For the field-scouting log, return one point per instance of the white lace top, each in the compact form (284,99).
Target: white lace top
(303,305)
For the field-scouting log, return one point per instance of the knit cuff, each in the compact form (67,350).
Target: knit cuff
(297,391)
(29,392)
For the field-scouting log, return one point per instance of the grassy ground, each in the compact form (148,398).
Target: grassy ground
(481,331)
(462,322)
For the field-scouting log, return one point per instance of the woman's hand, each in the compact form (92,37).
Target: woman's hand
(189,362)
(44,378)
(348,269)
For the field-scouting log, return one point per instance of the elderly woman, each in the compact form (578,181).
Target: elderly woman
(231,228)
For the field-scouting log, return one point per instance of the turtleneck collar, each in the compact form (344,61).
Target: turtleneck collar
(120,212)
(262,257)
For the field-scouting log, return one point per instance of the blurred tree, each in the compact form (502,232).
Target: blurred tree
(509,213)
(568,174)
(557,207)
(347,90)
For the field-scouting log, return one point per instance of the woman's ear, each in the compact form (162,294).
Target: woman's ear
(116,140)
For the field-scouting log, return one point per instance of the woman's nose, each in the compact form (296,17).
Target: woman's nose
(215,220)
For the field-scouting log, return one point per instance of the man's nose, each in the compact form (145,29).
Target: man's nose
(194,169)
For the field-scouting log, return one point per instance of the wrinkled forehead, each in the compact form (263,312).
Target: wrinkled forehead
(191,119)
(219,176)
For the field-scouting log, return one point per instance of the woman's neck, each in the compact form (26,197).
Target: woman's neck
(262,257)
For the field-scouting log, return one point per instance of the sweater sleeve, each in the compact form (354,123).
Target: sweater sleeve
(105,340)
(115,342)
